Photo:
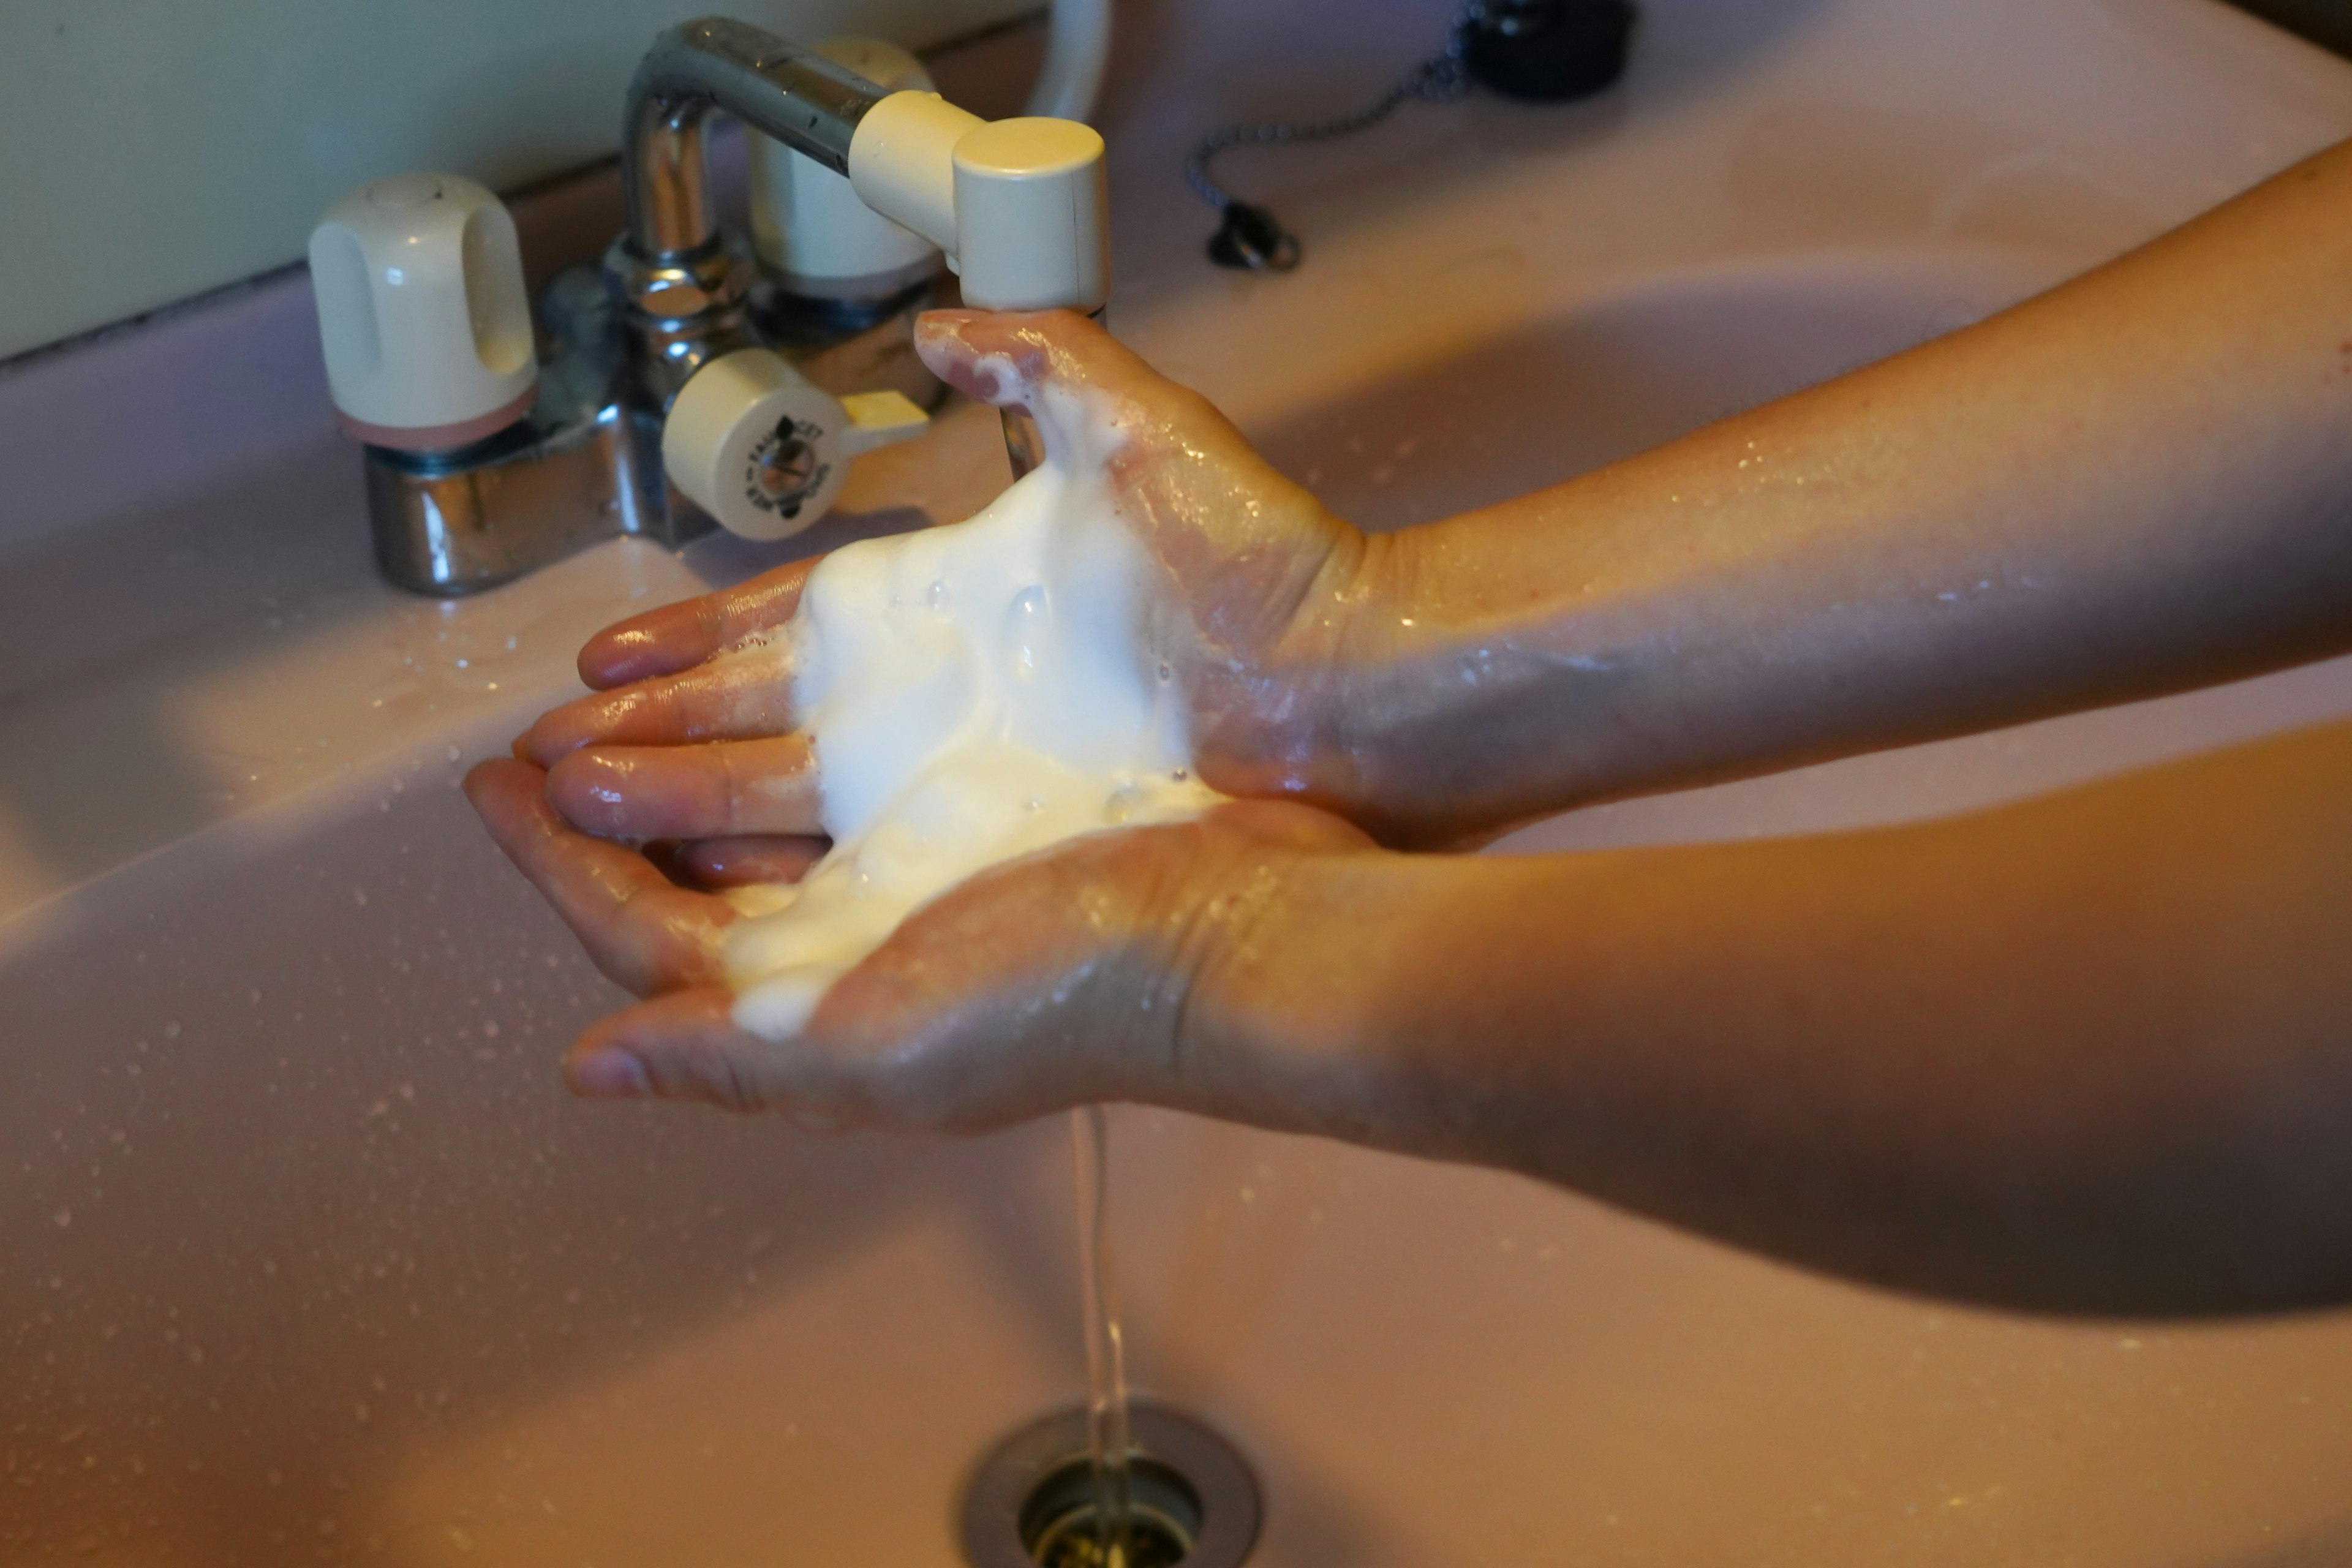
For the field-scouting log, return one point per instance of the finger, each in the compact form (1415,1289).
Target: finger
(1291,824)
(687,1045)
(750,860)
(1007,358)
(1001,357)
(681,1046)
(643,930)
(681,636)
(737,696)
(711,791)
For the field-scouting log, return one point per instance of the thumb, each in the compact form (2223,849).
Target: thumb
(1015,358)
(1006,357)
(688,1046)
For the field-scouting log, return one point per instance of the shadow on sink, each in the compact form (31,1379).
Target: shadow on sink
(176,669)
(2328,1548)
(1630,370)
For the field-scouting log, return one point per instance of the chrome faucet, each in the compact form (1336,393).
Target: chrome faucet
(475,474)
(682,280)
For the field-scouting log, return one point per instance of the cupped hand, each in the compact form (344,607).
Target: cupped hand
(1058,979)
(1103,969)
(1261,593)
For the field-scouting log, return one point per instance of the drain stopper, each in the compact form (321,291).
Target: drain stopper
(1030,1501)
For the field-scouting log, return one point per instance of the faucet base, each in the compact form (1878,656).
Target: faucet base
(451,528)
(582,467)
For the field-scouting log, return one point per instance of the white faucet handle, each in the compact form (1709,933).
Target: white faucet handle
(880,419)
(1032,216)
(423,312)
(755,444)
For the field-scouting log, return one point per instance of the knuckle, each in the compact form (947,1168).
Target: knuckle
(710,622)
(733,1082)
(731,786)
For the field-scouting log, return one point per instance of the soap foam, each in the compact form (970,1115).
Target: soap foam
(973,693)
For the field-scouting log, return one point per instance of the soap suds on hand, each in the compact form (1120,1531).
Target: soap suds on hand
(973,693)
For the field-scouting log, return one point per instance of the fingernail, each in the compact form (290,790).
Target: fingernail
(944,321)
(611,1075)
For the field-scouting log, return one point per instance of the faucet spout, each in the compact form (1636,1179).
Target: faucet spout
(801,99)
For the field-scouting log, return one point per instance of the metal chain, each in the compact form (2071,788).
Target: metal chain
(1440,79)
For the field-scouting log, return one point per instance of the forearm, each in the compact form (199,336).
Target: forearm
(2139,482)
(2089,1054)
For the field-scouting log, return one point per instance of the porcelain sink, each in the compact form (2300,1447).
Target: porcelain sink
(306,1256)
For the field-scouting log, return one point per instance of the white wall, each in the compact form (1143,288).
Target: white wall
(153,148)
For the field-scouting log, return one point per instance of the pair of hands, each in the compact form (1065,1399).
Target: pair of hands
(1095,971)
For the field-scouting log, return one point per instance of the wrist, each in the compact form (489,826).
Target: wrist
(1302,1014)
(1353,720)
(1470,704)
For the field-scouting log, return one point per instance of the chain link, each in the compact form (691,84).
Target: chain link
(1439,79)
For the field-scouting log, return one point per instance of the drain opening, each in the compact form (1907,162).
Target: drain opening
(1030,1501)
(1057,1522)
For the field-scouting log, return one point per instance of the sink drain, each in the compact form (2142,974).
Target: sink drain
(1031,1502)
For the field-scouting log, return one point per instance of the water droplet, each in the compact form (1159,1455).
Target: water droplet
(1121,804)
(64,1218)
(1165,672)
(172,1030)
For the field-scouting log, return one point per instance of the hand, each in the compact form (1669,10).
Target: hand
(691,740)
(1100,970)
(1261,589)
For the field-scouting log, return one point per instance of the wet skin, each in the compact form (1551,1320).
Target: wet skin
(2088,1053)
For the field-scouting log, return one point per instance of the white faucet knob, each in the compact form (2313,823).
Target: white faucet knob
(1033,219)
(423,312)
(756,445)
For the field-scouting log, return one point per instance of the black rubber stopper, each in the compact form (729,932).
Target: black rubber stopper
(1251,237)
(1548,51)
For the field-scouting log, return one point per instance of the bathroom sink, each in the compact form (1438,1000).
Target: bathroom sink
(306,1258)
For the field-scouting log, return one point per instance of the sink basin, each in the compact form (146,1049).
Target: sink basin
(1618,372)
(308,1258)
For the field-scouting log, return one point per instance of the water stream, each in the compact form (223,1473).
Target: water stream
(1106,1435)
